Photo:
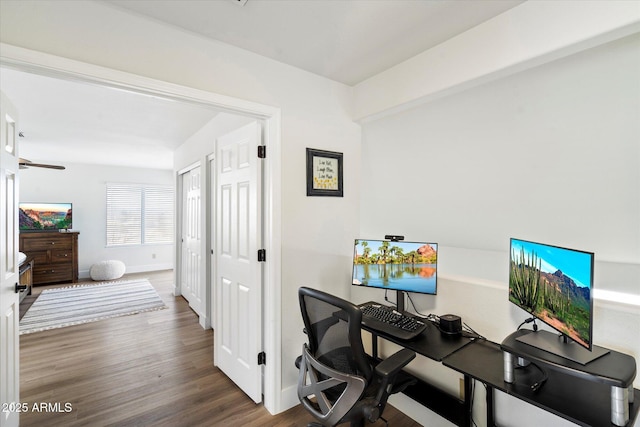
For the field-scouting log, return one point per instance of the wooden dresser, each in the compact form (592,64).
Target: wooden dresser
(55,256)
(26,277)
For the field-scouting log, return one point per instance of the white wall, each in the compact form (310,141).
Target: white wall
(551,154)
(315,112)
(203,142)
(533,33)
(85,186)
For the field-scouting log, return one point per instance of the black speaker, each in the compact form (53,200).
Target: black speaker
(450,324)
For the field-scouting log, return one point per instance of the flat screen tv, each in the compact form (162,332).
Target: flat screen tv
(399,266)
(45,216)
(554,285)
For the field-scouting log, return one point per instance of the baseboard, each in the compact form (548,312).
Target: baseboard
(205,322)
(84,274)
(289,398)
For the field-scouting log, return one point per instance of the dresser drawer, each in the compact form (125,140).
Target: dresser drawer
(40,257)
(46,243)
(59,256)
(48,274)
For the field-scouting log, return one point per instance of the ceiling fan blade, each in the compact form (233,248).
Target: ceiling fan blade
(24,164)
(40,165)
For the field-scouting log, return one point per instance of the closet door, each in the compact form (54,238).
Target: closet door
(191,275)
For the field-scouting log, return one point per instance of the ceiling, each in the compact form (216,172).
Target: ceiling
(347,41)
(71,122)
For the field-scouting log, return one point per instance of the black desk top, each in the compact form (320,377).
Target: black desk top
(577,399)
(614,368)
(430,343)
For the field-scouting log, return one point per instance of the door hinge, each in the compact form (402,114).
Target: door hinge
(262,255)
(262,358)
(262,151)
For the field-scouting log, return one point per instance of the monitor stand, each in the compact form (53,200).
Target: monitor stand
(400,301)
(562,346)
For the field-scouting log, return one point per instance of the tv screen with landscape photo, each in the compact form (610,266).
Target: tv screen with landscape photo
(45,216)
(398,266)
(554,285)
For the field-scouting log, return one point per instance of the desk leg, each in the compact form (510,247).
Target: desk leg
(490,418)
(374,345)
(509,375)
(619,405)
(468,400)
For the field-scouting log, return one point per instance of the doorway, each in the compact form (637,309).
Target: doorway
(34,62)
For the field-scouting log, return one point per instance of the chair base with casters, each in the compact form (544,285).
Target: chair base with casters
(338,382)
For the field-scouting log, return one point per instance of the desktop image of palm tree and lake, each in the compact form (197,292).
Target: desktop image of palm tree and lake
(404,266)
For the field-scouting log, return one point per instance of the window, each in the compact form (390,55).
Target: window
(139,214)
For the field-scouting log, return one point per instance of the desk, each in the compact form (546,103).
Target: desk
(570,396)
(567,393)
(436,346)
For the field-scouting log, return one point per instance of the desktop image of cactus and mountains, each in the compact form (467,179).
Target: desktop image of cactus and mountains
(554,285)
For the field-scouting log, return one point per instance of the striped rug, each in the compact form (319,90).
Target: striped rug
(74,305)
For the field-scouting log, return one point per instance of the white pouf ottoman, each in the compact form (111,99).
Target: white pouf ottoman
(107,270)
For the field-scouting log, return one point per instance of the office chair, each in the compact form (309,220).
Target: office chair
(338,382)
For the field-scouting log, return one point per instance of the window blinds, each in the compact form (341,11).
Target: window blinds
(139,214)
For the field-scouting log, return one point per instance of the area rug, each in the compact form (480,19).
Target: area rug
(74,305)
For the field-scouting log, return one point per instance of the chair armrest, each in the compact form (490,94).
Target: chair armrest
(387,370)
(394,364)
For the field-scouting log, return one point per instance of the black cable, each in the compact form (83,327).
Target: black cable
(538,384)
(426,316)
(436,320)
(529,320)
(386,298)
(543,379)
(469,330)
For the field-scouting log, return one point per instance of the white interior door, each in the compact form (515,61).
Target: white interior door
(9,303)
(238,334)
(191,239)
(212,238)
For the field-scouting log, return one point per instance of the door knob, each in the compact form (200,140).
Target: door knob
(20,288)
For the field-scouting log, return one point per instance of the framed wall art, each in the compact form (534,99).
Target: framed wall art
(324,173)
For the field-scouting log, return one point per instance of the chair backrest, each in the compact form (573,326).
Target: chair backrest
(333,329)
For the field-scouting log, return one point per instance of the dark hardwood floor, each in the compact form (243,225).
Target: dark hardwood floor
(148,369)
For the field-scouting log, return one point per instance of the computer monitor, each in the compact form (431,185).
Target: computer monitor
(45,216)
(555,286)
(396,265)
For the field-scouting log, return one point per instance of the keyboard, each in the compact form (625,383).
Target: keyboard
(391,322)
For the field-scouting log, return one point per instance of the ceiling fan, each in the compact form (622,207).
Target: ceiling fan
(25,164)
